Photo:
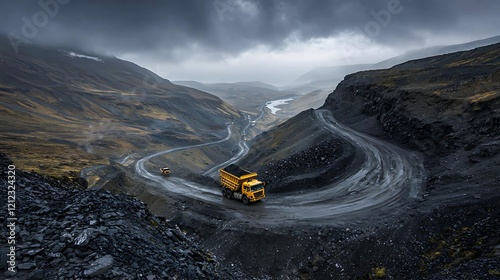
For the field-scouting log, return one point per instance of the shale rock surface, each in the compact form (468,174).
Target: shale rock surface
(68,233)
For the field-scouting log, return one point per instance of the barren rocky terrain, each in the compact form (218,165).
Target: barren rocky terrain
(66,232)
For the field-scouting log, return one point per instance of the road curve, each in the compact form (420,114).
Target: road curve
(242,151)
(388,177)
(242,144)
(178,185)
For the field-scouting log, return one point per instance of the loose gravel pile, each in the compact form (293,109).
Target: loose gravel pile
(67,233)
(315,166)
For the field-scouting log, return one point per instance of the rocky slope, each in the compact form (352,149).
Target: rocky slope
(329,77)
(299,154)
(63,110)
(436,50)
(62,232)
(446,106)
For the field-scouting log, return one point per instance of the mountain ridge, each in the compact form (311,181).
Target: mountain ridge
(329,77)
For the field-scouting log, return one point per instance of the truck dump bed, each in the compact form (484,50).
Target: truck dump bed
(232,177)
(236,170)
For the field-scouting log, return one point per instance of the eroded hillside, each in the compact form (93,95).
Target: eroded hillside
(62,110)
(447,107)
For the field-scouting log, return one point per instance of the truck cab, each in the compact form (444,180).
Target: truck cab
(253,189)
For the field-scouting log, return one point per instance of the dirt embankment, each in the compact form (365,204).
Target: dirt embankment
(299,155)
(446,106)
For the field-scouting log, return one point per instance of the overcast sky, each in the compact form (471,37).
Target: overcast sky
(245,40)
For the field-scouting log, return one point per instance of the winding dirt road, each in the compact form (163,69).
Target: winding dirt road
(242,151)
(388,178)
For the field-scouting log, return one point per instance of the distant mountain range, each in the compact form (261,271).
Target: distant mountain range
(329,77)
(325,77)
(245,96)
(437,50)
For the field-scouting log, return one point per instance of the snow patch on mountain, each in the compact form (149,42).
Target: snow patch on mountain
(74,54)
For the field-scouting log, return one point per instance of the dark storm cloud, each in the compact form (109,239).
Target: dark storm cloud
(219,27)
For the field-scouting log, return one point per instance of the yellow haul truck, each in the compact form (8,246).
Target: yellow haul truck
(241,184)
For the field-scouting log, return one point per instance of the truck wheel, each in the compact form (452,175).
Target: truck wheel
(245,199)
(229,194)
(223,192)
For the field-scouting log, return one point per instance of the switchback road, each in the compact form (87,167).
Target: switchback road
(387,178)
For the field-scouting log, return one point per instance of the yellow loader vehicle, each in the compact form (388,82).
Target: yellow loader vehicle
(241,184)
